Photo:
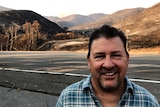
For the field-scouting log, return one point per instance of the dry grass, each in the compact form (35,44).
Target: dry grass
(155,50)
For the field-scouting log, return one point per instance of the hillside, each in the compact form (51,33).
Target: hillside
(76,19)
(4,9)
(148,20)
(21,16)
(143,28)
(25,30)
(108,19)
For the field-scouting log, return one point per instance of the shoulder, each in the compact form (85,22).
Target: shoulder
(77,87)
(75,92)
(143,94)
(141,90)
(136,88)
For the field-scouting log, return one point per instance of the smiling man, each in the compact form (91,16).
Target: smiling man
(108,85)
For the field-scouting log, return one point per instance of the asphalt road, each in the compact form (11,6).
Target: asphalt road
(144,69)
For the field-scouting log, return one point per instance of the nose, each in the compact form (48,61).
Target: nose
(108,62)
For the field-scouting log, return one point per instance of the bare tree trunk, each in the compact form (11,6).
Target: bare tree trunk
(11,34)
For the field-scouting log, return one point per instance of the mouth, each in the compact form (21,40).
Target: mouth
(109,73)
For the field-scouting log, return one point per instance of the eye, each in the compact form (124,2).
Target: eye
(99,57)
(117,56)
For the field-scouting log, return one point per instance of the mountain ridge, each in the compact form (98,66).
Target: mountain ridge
(21,16)
(141,26)
(108,19)
(75,19)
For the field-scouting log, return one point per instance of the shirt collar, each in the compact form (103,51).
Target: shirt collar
(87,85)
(129,86)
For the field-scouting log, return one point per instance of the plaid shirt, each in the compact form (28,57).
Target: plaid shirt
(81,94)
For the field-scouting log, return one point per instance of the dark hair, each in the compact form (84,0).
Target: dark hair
(107,31)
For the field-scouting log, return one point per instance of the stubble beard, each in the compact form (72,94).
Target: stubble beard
(107,88)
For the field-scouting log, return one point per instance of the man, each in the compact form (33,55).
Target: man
(108,85)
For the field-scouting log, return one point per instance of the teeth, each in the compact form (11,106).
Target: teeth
(109,74)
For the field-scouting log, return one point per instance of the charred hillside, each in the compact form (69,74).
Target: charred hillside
(21,16)
(25,30)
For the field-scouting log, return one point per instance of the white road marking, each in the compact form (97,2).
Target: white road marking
(72,74)
(148,81)
(144,65)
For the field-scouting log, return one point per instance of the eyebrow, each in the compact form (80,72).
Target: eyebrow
(97,53)
(114,52)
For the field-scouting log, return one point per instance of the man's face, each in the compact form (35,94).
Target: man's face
(108,63)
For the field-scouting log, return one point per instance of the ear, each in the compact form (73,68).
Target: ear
(128,56)
(88,61)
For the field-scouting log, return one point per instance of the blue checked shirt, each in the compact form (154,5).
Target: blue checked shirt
(80,94)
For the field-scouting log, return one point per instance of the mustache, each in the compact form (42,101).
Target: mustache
(106,70)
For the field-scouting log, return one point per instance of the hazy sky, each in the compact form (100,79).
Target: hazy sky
(62,8)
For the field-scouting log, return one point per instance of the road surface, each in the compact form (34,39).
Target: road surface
(144,69)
